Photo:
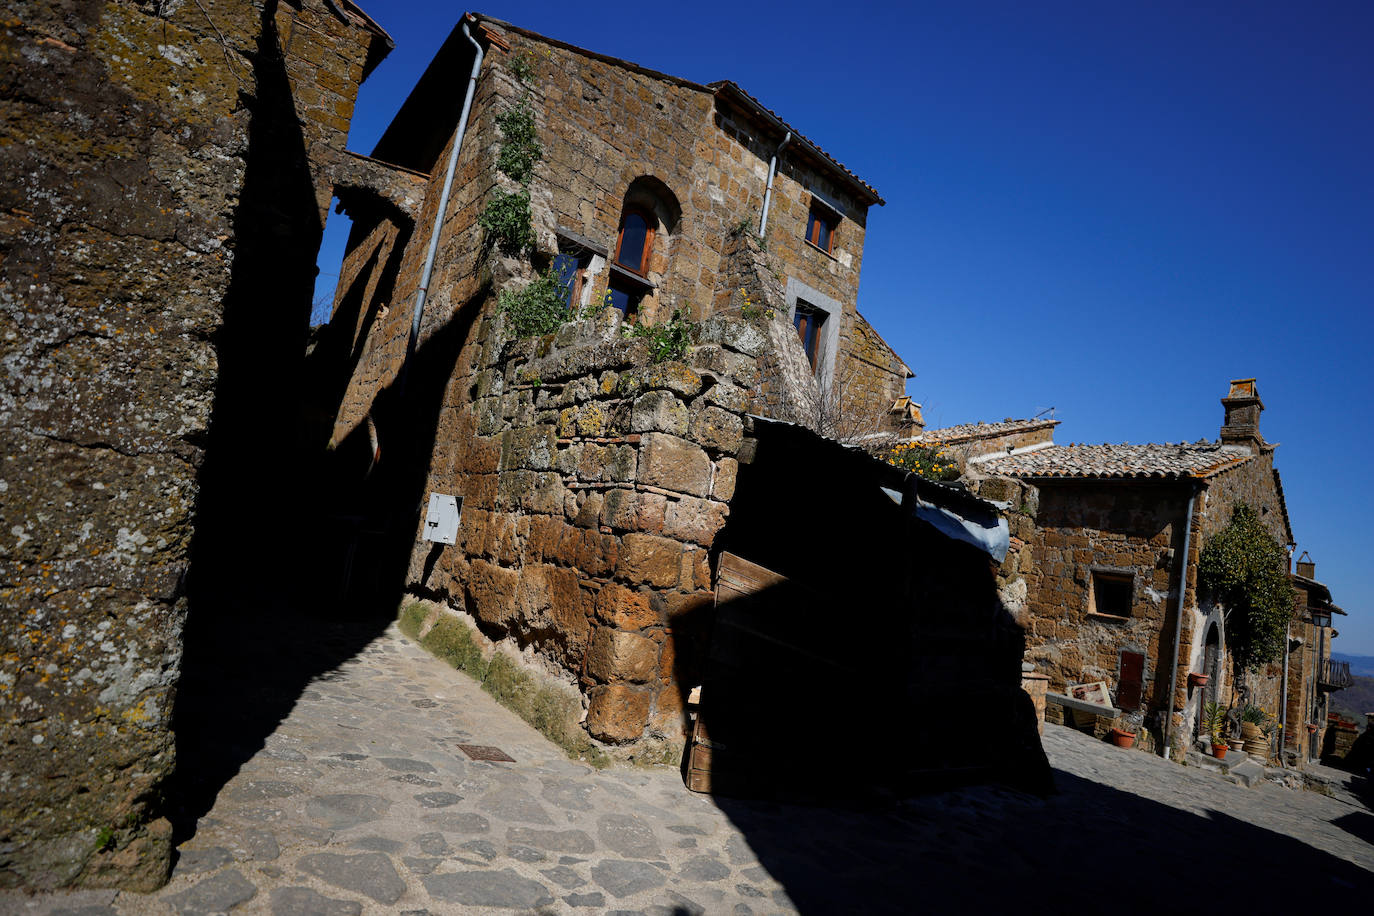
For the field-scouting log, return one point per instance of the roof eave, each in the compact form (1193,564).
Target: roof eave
(736,95)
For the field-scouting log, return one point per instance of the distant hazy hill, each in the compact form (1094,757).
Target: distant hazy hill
(1356,700)
(1360,665)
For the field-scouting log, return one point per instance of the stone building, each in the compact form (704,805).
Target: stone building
(167,168)
(594,487)
(1312,673)
(1115,540)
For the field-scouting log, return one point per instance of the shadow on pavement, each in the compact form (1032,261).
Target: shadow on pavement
(243,673)
(1090,846)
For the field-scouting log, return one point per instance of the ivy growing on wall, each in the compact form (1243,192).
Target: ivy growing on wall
(1246,570)
(520,148)
(507,219)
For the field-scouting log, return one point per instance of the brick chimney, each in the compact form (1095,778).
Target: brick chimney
(1243,408)
(1306,568)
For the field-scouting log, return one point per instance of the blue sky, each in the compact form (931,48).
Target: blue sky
(1106,208)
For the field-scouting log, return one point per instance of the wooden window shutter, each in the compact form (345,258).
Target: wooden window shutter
(1132,676)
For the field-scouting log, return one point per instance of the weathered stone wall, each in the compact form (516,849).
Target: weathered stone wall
(870,375)
(603,125)
(123,138)
(128,137)
(1082,527)
(328,52)
(1251,483)
(593,484)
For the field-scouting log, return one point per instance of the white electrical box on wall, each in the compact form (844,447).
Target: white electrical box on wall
(441,522)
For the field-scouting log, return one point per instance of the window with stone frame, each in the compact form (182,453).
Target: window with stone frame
(1112,594)
(808,319)
(820,226)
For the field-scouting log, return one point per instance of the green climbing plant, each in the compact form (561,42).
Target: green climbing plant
(539,308)
(1246,569)
(668,340)
(507,219)
(520,148)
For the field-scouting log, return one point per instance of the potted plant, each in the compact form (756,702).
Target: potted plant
(1198,680)
(1214,719)
(1252,720)
(1122,738)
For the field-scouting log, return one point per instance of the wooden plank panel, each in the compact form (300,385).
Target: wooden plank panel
(1132,678)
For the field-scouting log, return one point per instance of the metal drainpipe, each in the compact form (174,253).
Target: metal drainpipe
(443,204)
(1283,713)
(768,194)
(1178,624)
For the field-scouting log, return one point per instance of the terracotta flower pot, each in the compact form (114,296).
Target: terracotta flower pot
(1122,738)
(1219,751)
(1237,744)
(1250,730)
(1198,680)
(1311,729)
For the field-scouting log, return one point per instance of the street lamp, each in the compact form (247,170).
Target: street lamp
(1319,617)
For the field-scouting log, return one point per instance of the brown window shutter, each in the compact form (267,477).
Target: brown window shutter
(1132,675)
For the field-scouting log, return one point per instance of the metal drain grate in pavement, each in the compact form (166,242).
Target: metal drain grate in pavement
(485,752)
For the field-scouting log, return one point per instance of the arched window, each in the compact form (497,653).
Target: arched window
(643,243)
(635,242)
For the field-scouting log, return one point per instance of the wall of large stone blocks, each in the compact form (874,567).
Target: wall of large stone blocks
(593,484)
(972,447)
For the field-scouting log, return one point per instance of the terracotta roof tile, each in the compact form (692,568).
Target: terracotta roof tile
(1158,460)
(950,435)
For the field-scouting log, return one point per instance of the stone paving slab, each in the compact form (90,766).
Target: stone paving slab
(360,802)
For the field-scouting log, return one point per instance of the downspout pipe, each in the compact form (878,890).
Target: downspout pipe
(428,271)
(768,194)
(1283,713)
(1178,623)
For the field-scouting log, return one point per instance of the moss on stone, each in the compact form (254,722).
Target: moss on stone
(552,712)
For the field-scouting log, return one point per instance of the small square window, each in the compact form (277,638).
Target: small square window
(1112,594)
(820,228)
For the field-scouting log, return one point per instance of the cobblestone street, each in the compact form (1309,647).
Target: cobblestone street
(361,801)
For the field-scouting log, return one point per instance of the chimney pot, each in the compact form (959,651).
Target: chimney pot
(1243,408)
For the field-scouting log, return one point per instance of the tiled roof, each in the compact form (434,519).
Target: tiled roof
(1159,460)
(950,435)
(368,22)
(731,88)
